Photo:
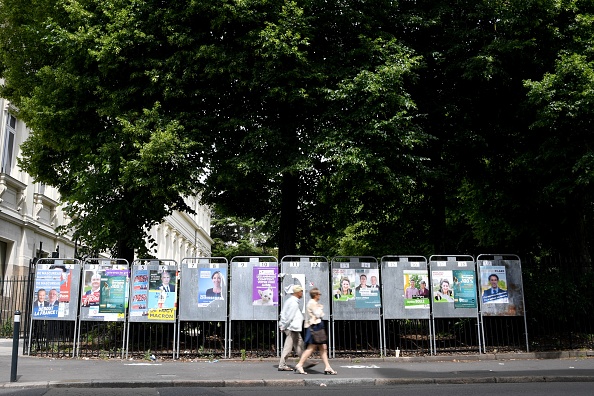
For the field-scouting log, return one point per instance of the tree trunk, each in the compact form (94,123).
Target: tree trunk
(124,252)
(288,216)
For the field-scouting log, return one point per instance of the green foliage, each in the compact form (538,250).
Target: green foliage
(6,329)
(378,128)
(235,237)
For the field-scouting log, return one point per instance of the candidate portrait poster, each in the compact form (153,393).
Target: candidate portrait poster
(265,285)
(494,285)
(114,289)
(91,293)
(343,284)
(65,282)
(416,289)
(162,296)
(212,285)
(464,289)
(441,286)
(365,295)
(47,294)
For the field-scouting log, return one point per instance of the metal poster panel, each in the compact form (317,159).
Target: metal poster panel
(405,283)
(153,292)
(307,272)
(55,291)
(254,289)
(449,298)
(353,296)
(92,291)
(501,290)
(204,289)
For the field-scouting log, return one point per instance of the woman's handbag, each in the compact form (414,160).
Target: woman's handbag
(318,333)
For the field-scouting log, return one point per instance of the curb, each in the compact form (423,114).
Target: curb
(292,383)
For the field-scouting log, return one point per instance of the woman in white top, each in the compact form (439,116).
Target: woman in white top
(315,313)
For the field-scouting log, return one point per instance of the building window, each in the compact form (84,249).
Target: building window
(9,138)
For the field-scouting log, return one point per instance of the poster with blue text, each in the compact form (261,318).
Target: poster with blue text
(212,285)
(494,284)
(47,296)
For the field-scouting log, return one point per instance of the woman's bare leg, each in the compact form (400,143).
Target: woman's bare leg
(306,354)
(324,353)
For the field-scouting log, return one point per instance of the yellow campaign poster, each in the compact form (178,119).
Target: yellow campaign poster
(161,314)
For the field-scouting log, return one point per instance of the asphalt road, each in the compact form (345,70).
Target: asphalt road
(524,389)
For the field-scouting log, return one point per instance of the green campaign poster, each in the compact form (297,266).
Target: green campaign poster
(464,289)
(113,291)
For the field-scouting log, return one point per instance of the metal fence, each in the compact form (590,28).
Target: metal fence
(559,302)
(13,297)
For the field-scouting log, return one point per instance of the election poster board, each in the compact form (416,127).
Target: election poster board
(203,289)
(254,292)
(501,290)
(405,283)
(55,290)
(453,286)
(104,292)
(153,291)
(354,288)
(307,272)
(203,293)
(355,293)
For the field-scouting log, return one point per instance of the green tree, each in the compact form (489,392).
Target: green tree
(119,159)
(325,132)
(489,159)
(237,237)
(287,104)
(563,150)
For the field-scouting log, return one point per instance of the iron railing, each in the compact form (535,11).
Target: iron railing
(559,301)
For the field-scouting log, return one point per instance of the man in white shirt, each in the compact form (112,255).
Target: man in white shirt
(291,323)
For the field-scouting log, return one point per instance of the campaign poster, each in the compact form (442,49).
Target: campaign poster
(47,286)
(416,289)
(162,296)
(365,295)
(464,289)
(441,286)
(65,282)
(112,298)
(212,285)
(265,286)
(343,284)
(139,303)
(493,284)
(91,293)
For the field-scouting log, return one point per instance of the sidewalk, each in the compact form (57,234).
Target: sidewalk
(36,372)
